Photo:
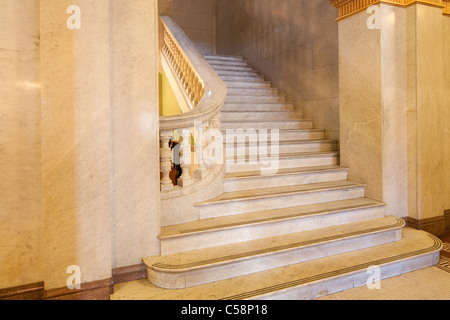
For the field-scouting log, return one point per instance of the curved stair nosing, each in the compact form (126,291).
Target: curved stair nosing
(235,265)
(399,224)
(288,217)
(355,276)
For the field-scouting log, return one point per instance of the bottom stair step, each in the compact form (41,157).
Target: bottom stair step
(193,268)
(308,280)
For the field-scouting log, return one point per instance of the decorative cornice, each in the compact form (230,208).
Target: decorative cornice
(349,7)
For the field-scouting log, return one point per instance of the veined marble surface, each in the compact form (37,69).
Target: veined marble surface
(75,142)
(20,144)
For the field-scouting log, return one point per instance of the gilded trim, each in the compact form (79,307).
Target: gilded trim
(349,7)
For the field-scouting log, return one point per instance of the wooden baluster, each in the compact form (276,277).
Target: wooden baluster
(185,159)
(166,160)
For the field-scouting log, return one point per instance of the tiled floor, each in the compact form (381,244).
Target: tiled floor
(426,284)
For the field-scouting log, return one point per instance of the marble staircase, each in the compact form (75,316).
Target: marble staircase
(301,232)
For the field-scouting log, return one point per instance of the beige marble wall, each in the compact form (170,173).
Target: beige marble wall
(392,108)
(360,82)
(427,109)
(197,18)
(294,44)
(446,43)
(20,144)
(75,142)
(135,131)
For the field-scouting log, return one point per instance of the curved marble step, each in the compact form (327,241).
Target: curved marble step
(296,134)
(311,279)
(252,180)
(231,203)
(222,57)
(257,107)
(244,148)
(228,67)
(293,124)
(237,73)
(217,231)
(252,91)
(271,165)
(243,78)
(247,98)
(198,267)
(237,84)
(218,62)
(255,115)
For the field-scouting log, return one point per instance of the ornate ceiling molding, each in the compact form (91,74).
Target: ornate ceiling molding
(349,7)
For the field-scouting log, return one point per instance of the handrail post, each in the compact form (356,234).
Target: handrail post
(199,147)
(166,160)
(185,158)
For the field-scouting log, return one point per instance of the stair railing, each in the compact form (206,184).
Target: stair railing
(206,93)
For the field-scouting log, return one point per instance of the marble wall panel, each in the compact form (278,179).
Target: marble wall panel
(75,142)
(446,43)
(294,44)
(20,144)
(134,131)
(197,18)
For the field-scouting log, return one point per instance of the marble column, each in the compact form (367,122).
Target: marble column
(373,105)
(427,124)
(76,124)
(20,144)
(392,95)
(135,130)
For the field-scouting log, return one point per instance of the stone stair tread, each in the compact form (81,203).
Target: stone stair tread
(327,275)
(208,257)
(222,56)
(264,111)
(296,155)
(250,120)
(279,191)
(239,84)
(267,216)
(223,63)
(282,172)
(256,103)
(292,142)
(288,130)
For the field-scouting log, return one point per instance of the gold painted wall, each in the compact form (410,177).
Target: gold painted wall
(168,104)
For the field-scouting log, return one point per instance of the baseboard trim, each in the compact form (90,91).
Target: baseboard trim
(33,291)
(95,290)
(130,273)
(447,219)
(435,226)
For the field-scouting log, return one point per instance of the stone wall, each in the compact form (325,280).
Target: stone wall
(294,44)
